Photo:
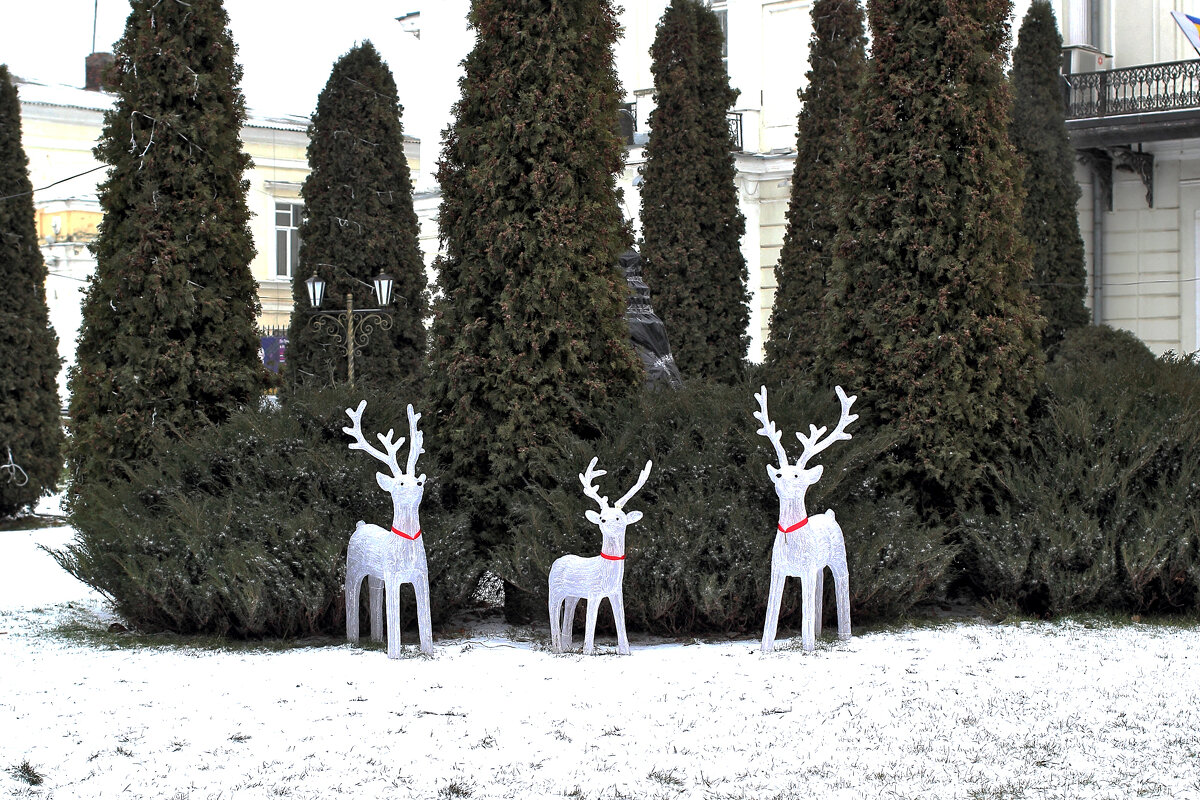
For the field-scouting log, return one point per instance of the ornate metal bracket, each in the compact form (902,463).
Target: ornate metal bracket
(1101,164)
(1139,163)
(1103,160)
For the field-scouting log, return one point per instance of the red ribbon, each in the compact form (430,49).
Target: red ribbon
(399,532)
(795,527)
(611,558)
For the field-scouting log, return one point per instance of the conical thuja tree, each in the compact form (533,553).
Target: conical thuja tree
(168,338)
(836,68)
(359,222)
(529,332)
(930,321)
(30,426)
(1039,132)
(691,225)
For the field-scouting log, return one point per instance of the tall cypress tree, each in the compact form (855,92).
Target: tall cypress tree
(930,319)
(359,221)
(30,427)
(836,66)
(529,331)
(1039,132)
(168,337)
(691,225)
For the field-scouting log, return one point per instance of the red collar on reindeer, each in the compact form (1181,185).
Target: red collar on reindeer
(399,532)
(782,529)
(611,558)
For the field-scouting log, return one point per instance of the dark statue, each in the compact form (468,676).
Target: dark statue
(646,330)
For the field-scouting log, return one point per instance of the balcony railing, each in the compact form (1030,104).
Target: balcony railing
(734,118)
(1133,90)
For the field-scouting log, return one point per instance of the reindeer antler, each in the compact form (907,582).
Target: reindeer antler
(768,428)
(641,481)
(417,438)
(813,443)
(589,486)
(360,443)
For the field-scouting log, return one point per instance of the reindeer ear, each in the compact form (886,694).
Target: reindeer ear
(385,481)
(817,472)
(632,517)
(772,473)
(592,516)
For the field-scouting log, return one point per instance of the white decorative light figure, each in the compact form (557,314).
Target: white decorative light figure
(573,578)
(805,545)
(388,558)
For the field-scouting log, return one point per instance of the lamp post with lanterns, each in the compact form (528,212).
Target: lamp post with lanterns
(351,326)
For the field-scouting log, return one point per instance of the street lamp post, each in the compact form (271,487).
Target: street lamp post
(353,326)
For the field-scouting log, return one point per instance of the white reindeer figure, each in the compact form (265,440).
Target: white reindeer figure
(805,545)
(388,558)
(573,578)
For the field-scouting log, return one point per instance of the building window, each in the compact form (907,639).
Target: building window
(287,238)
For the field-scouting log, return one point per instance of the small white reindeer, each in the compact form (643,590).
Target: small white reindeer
(573,578)
(388,558)
(805,545)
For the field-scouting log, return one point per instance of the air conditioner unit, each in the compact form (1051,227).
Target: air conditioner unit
(1081,58)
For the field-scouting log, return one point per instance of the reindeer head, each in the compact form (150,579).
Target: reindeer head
(405,487)
(791,480)
(612,519)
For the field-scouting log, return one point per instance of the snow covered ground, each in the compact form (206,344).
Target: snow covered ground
(958,711)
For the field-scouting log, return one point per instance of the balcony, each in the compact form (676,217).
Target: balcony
(1131,105)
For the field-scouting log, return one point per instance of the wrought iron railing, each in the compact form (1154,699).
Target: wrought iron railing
(1133,90)
(734,118)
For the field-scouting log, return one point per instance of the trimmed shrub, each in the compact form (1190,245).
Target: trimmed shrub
(699,561)
(242,528)
(928,317)
(30,428)
(1105,515)
(358,222)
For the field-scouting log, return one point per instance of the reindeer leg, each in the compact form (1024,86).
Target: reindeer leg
(568,622)
(392,593)
(819,601)
(353,587)
(424,626)
(772,623)
(807,582)
(617,601)
(375,606)
(555,623)
(589,634)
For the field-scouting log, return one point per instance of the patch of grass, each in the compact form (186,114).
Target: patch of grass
(455,789)
(666,778)
(240,737)
(91,632)
(27,772)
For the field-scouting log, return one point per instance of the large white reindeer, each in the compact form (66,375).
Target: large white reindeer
(388,558)
(573,578)
(805,545)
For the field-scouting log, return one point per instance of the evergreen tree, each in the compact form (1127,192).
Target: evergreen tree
(529,333)
(168,337)
(836,68)
(929,318)
(30,426)
(1039,133)
(691,225)
(359,221)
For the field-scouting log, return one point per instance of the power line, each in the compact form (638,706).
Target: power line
(56,183)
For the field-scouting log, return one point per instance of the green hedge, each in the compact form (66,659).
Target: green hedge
(1105,514)
(699,561)
(242,529)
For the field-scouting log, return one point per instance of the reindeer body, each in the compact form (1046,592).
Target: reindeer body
(389,558)
(804,545)
(574,578)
